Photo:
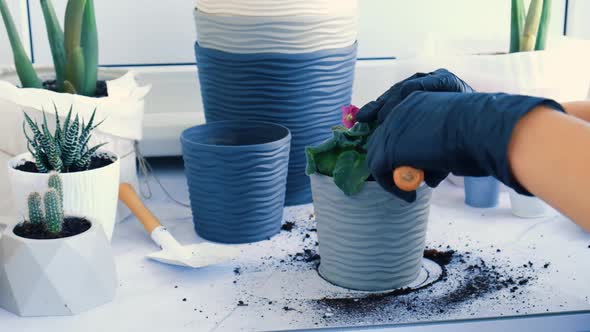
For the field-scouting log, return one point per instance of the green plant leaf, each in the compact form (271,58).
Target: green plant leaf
(75,67)
(55,35)
(531,26)
(322,158)
(351,172)
(544,26)
(24,67)
(516,24)
(89,43)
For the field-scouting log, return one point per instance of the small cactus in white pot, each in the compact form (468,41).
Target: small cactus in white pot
(33,252)
(90,174)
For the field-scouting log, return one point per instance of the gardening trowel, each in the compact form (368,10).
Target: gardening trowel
(196,255)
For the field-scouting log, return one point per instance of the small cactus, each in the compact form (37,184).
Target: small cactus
(35,212)
(53,200)
(54,214)
(55,183)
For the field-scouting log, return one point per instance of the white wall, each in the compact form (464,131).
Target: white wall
(155,31)
(579,19)
(19,15)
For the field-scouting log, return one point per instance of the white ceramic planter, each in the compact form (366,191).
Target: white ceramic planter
(56,277)
(527,207)
(92,194)
(372,240)
(275,34)
(278,8)
(122,110)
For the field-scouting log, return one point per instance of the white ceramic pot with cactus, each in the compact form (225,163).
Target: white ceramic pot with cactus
(33,254)
(74,80)
(90,176)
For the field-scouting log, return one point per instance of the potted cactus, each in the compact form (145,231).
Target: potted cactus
(90,174)
(368,238)
(33,254)
(75,80)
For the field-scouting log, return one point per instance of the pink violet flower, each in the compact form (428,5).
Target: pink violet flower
(349,115)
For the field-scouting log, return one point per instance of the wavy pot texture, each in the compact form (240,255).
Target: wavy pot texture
(372,240)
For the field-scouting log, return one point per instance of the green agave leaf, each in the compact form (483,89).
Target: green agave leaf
(351,172)
(531,26)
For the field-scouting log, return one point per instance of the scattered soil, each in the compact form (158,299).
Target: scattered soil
(72,226)
(101,88)
(288,226)
(97,161)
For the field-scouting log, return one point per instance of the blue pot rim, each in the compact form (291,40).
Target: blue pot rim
(275,56)
(223,125)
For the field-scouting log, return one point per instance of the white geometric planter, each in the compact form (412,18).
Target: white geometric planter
(56,277)
(91,194)
(122,111)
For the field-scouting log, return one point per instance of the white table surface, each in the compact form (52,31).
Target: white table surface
(284,295)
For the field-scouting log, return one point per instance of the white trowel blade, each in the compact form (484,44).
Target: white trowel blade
(197,255)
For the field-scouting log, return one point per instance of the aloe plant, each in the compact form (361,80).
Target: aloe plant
(74,49)
(529,29)
(66,149)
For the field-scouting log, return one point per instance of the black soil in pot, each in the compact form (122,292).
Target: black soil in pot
(97,161)
(101,88)
(72,226)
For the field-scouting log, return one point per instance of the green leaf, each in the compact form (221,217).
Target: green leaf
(75,71)
(516,24)
(69,88)
(544,26)
(75,66)
(321,158)
(531,26)
(89,43)
(71,147)
(24,67)
(56,41)
(351,172)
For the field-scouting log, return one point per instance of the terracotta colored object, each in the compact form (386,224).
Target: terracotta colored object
(408,178)
(56,277)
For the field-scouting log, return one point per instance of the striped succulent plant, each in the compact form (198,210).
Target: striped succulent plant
(66,149)
(528,30)
(74,49)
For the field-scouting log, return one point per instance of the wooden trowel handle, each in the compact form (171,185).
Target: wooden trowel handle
(408,178)
(129,197)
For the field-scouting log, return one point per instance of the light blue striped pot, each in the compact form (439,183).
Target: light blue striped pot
(304,92)
(482,192)
(236,173)
(372,240)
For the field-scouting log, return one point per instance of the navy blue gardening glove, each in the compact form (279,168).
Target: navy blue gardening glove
(440,80)
(466,134)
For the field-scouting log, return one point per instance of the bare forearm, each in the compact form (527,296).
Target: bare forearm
(579,109)
(549,154)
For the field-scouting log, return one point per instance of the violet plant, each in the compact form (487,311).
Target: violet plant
(344,156)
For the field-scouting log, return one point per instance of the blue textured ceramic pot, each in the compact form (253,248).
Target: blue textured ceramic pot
(481,192)
(304,92)
(237,174)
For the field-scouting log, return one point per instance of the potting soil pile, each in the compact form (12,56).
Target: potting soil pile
(493,264)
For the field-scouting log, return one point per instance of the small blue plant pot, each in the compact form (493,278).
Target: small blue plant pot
(237,174)
(482,192)
(303,92)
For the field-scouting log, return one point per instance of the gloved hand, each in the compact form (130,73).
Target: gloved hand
(438,80)
(466,134)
